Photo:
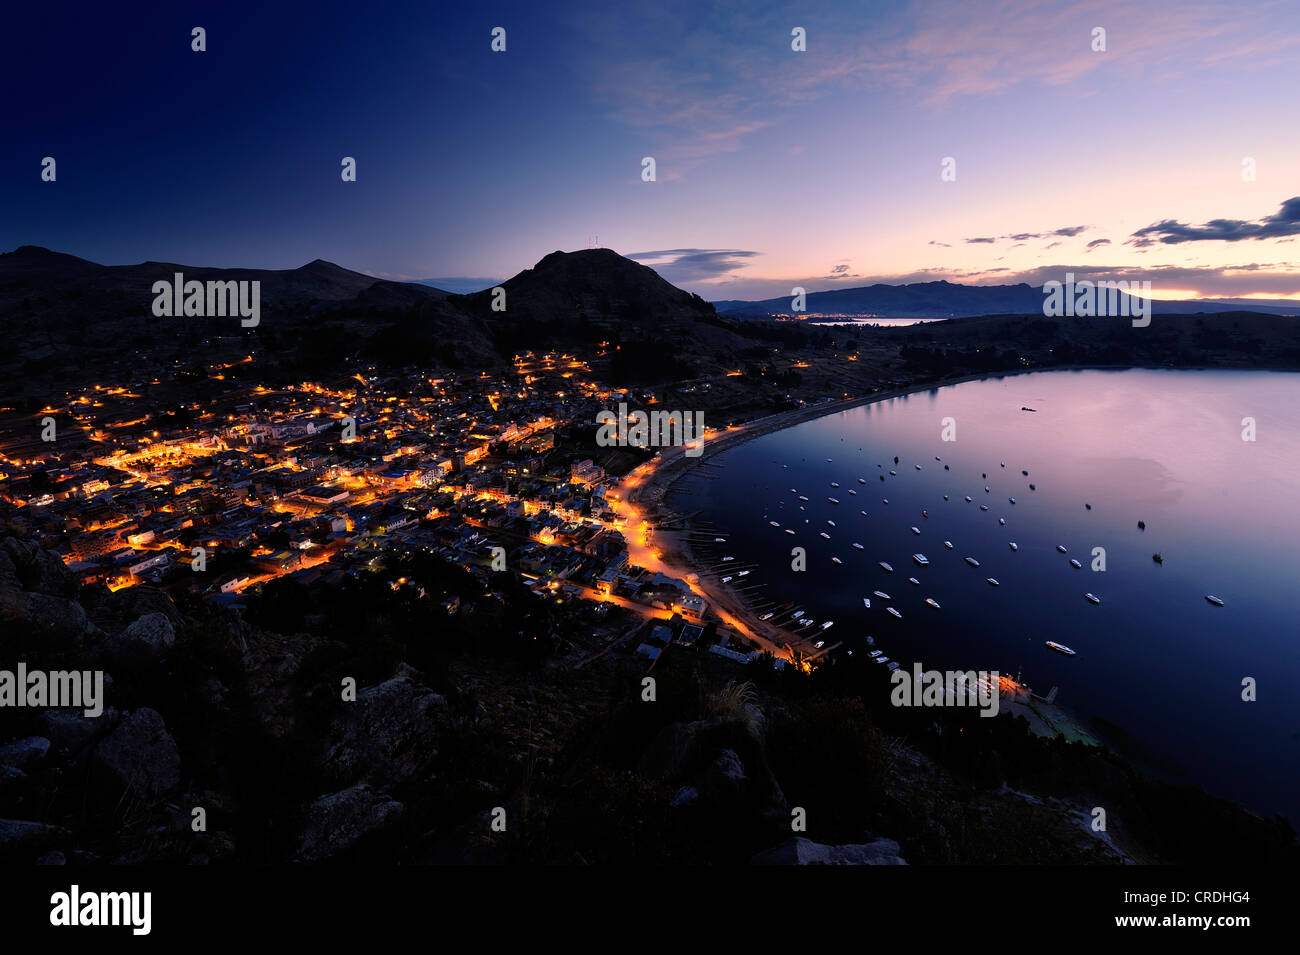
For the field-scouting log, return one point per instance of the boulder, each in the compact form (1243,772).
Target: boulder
(18,835)
(71,729)
(800,851)
(140,755)
(40,615)
(24,752)
(388,734)
(39,570)
(151,634)
(344,821)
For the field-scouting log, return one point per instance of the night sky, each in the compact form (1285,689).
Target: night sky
(774,167)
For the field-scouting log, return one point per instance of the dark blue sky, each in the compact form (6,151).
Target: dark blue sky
(775,167)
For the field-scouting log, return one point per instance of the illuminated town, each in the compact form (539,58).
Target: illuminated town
(315,483)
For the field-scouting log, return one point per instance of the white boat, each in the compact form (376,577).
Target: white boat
(881,594)
(992,580)
(1093,598)
(986,489)
(894,473)
(891,666)
(1060,648)
(887,568)
(819,644)
(866,602)
(967,498)
(984,507)
(1075,564)
(913,580)
(921,559)
(837,560)
(728,558)
(790,532)
(857,546)
(882,659)
(864,513)
(945,497)
(894,612)
(831,523)
(1061,548)
(916,530)
(719,540)
(726,580)
(835,484)
(1015,546)
(766,616)
(1012,500)
(773,523)
(1218,602)
(862,480)
(932,602)
(917,466)
(853,492)
(972,561)
(802,498)
(828,624)
(825,535)
(948,544)
(884,500)
(1002,521)
(742,573)
(832,500)
(876,653)
(797,614)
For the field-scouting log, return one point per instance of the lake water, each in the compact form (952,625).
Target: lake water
(1154,657)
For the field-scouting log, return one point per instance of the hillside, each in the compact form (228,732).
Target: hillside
(952,300)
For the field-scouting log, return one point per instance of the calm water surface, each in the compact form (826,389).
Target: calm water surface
(1154,657)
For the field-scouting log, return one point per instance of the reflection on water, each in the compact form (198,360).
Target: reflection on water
(1163,447)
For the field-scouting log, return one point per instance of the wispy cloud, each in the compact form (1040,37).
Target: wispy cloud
(681,266)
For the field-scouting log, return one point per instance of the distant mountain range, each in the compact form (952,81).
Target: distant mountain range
(952,300)
(33,270)
(69,320)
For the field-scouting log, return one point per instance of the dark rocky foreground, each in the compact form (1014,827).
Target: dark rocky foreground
(223,742)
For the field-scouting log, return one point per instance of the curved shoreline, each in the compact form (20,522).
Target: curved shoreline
(675,554)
